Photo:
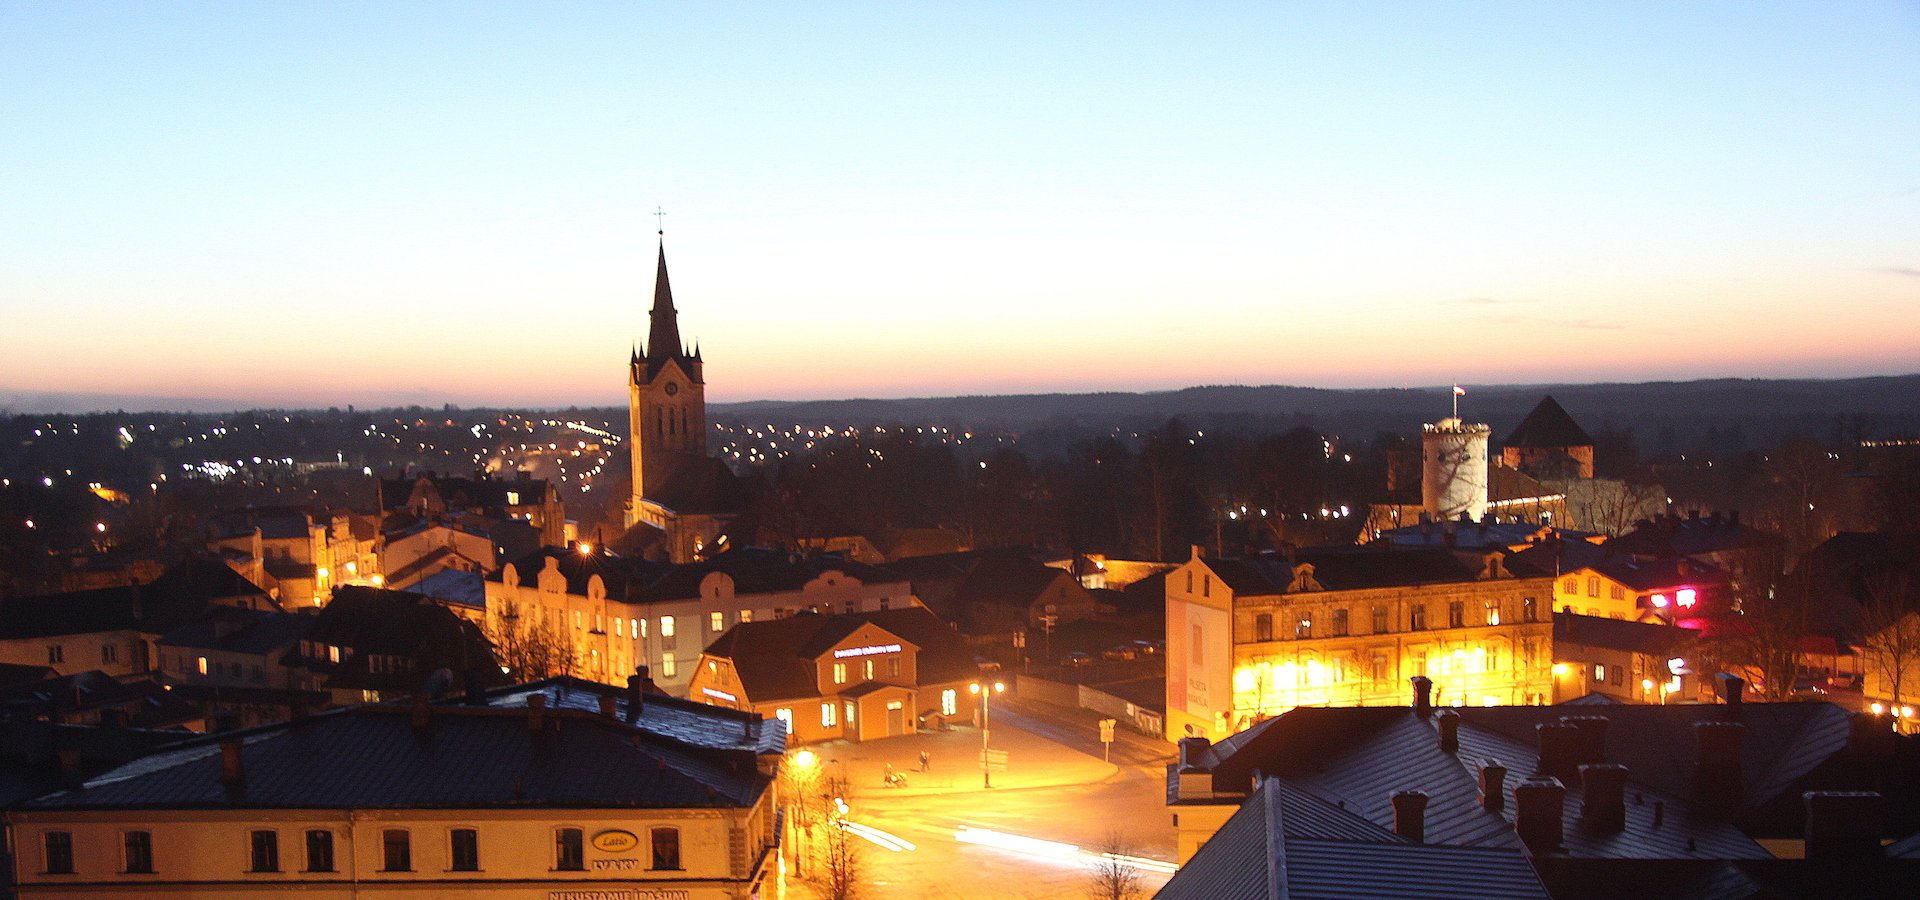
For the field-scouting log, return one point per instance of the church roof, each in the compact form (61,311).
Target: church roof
(1548,426)
(693,484)
(663,335)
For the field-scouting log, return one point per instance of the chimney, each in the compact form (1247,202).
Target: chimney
(422,712)
(1449,723)
(1591,738)
(536,712)
(1410,815)
(637,693)
(1195,779)
(1559,749)
(609,706)
(1539,804)
(1493,781)
(1717,774)
(1844,826)
(233,771)
(1731,687)
(1603,809)
(1422,695)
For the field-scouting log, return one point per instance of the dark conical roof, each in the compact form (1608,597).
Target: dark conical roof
(663,338)
(1548,426)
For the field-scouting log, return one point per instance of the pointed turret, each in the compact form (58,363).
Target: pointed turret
(664,335)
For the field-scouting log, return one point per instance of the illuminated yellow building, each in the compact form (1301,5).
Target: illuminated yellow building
(1249,639)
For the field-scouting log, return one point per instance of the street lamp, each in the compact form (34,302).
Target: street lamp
(986,693)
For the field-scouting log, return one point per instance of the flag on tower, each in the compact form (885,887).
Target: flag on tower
(1459,391)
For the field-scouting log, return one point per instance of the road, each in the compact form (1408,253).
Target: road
(1079,801)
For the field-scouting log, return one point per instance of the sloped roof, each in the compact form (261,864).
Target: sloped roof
(1626,636)
(693,484)
(775,659)
(466,757)
(1548,426)
(256,632)
(673,718)
(1350,567)
(181,593)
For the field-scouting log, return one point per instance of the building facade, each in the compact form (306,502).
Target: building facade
(1249,639)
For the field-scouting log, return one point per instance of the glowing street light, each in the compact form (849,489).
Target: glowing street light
(986,693)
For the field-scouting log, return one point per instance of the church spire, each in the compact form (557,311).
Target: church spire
(663,338)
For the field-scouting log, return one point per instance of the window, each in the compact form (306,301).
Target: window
(57,847)
(746,615)
(1339,623)
(1599,672)
(1197,649)
(265,856)
(666,848)
(319,850)
(840,673)
(1206,585)
(1456,614)
(639,627)
(333,654)
(1304,628)
(866,669)
(569,850)
(829,715)
(1530,610)
(717,621)
(1263,627)
(619,627)
(139,851)
(56,654)
(396,850)
(1493,612)
(667,632)
(1379,620)
(1593,611)
(893,667)
(1593,585)
(785,715)
(1619,674)
(1378,666)
(109,653)
(1189,581)
(466,850)
(668,668)
(949,702)
(1570,586)
(1616,592)
(1417,617)
(579,620)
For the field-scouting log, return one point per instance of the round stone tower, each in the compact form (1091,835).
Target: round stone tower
(1453,477)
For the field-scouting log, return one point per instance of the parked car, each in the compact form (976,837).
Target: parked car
(1076,659)
(986,665)
(1150,648)
(1122,651)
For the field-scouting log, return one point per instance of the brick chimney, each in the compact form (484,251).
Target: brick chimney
(1195,777)
(1603,808)
(637,685)
(1493,782)
(1448,722)
(536,712)
(233,772)
(1730,687)
(1559,749)
(1590,745)
(1717,775)
(1422,695)
(1844,826)
(1410,815)
(609,706)
(1539,804)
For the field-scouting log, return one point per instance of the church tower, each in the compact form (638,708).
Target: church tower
(666,397)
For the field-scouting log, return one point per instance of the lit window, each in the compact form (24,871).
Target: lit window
(949,702)
(201,663)
(829,715)
(1493,613)
(639,627)
(1599,672)
(1593,585)
(1686,597)
(666,626)
(785,715)
(717,622)
(619,627)
(667,667)
(579,620)
(867,669)
(839,673)
(746,615)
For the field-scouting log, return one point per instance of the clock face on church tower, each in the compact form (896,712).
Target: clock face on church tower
(672,388)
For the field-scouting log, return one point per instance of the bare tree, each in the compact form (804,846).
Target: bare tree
(1775,617)
(841,857)
(1891,629)
(1611,507)
(528,645)
(1112,878)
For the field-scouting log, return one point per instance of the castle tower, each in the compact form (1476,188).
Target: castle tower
(1453,476)
(666,396)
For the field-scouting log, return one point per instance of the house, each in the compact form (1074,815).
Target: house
(614,613)
(1724,800)
(298,552)
(1548,444)
(1248,639)
(370,644)
(859,676)
(113,629)
(461,797)
(1605,580)
(432,496)
(1629,662)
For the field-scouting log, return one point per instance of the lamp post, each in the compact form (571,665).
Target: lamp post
(986,693)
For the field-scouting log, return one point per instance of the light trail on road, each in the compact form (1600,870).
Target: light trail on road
(1055,850)
(889,841)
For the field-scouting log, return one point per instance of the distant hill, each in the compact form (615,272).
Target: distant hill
(1737,413)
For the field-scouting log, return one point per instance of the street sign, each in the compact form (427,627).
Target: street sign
(1106,738)
(994,760)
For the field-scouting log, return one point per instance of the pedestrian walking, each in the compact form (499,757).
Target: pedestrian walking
(926,761)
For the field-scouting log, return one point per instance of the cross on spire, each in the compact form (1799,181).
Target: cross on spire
(659,221)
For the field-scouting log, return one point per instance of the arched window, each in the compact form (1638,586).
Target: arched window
(666,848)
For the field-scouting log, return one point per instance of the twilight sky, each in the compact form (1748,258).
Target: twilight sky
(323,204)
